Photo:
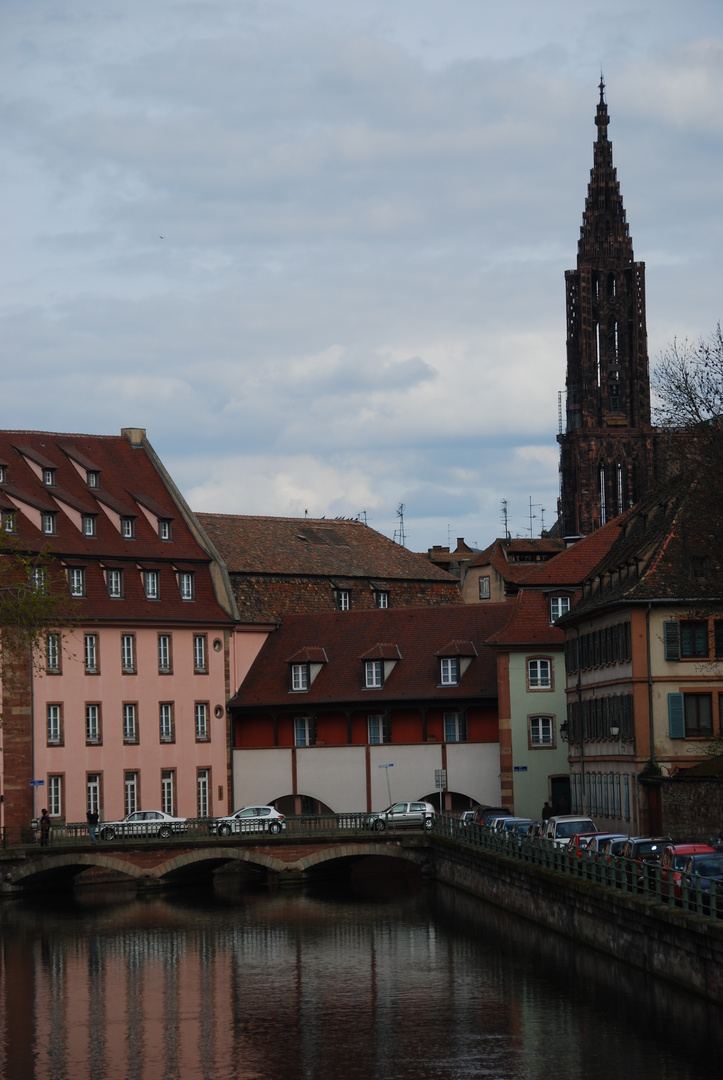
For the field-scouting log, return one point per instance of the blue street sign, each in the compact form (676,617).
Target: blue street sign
(37,783)
(519,768)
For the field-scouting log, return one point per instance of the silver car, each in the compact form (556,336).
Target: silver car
(402,815)
(249,819)
(144,823)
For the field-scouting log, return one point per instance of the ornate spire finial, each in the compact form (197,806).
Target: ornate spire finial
(602,88)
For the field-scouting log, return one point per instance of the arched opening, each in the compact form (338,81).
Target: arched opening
(296,805)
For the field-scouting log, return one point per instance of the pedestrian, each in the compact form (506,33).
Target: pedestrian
(92,817)
(45,825)
(546,811)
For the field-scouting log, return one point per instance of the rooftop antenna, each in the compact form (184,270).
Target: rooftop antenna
(449,536)
(504,519)
(542,521)
(362,516)
(532,516)
(400,531)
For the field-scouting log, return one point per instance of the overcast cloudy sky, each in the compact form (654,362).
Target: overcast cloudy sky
(317,247)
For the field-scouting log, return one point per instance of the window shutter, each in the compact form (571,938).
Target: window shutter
(676,716)
(671,640)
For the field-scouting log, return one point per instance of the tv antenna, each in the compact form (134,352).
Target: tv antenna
(399,534)
(504,519)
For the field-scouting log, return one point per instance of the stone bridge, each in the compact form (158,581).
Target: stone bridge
(148,864)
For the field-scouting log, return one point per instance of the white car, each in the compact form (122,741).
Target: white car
(144,823)
(249,819)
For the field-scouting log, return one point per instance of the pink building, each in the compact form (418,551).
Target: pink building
(127,711)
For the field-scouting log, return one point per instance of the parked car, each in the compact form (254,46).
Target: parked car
(641,852)
(144,823)
(699,872)
(466,818)
(402,815)
(672,862)
(562,827)
(484,814)
(611,846)
(249,819)
(578,844)
(600,843)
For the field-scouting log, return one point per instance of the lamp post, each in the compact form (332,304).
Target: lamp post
(389,790)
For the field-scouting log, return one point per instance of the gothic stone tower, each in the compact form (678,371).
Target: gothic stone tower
(606,460)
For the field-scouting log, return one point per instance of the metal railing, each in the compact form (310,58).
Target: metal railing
(640,879)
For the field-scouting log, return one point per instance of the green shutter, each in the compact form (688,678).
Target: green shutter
(671,640)
(676,716)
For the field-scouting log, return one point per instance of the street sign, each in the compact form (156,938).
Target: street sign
(440,779)
(37,783)
(519,768)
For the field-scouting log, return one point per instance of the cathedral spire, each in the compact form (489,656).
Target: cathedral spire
(606,449)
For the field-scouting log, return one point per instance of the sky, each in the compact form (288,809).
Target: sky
(317,248)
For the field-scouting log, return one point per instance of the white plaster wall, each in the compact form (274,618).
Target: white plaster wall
(260,776)
(474,770)
(334,774)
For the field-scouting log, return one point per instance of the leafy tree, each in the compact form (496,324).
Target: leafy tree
(33,599)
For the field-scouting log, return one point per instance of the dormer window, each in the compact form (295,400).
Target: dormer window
(559,605)
(164,528)
(128,528)
(10,521)
(88,524)
(299,677)
(49,477)
(373,674)
(48,524)
(449,671)
(151,584)
(381,598)
(186,585)
(343,599)
(3,474)
(92,478)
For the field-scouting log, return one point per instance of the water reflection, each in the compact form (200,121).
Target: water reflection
(383,980)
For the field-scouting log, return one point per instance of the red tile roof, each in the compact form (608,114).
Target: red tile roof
(529,622)
(127,475)
(313,546)
(575,563)
(346,637)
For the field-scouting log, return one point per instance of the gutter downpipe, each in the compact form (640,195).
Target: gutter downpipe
(582,722)
(651,725)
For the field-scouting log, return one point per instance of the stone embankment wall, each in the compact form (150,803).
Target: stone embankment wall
(669,944)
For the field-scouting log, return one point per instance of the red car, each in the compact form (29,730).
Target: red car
(672,862)
(578,844)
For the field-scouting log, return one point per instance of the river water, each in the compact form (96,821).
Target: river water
(385,979)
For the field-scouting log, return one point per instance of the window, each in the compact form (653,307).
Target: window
(455,728)
(541,731)
(88,524)
(39,579)
(130,723)
(55,796)
(690,716)
(539,674)
(55,726)
(164,654)
(92,724)
(164,529)
(201,721)
(2,474)
(49,477)
(186,585)
(304,734)
(381,599)
(559,605)
(203,786)
(48,524)
(92,478)
(379,729)
(52,654)
(128,528)
(150,584)
(130,781)
(128,653)
(115,584)
(199,654)
(76,581)
(484,588)
(373,674)
(299,676)
(693,639)
(166,722)
(91,654)
(10,521)
(168,791)
(92,792)
(449,671)
(343,599)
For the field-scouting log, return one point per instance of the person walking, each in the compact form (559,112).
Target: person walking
(546,811)
(92,817)
(45,826)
